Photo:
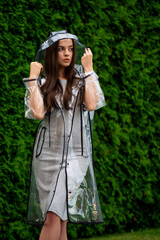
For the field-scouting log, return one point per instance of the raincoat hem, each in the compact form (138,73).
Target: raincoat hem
(68,221)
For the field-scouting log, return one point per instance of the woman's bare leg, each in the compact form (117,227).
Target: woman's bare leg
(63,231)
(52,227)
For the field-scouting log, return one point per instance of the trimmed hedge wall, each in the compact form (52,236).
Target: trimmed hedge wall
(124,38)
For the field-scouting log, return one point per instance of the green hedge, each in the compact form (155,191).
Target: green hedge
(124,38)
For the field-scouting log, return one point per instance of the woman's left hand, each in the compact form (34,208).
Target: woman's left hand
(86,60)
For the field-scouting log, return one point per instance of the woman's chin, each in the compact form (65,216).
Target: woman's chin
(67,64)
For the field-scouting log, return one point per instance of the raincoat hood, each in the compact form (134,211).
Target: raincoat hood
(56,36)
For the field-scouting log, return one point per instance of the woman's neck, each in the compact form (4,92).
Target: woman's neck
(62,74)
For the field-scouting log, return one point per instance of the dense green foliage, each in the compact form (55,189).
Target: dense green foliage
(124,38)
(147,234)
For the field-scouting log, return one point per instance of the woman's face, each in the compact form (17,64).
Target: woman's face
(65,52)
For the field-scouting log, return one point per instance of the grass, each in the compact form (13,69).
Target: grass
(149,234)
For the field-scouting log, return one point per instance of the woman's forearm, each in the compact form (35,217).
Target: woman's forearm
(36,101)
(91,95)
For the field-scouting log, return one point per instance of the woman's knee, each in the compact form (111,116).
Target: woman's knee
(63,225)
(52,219)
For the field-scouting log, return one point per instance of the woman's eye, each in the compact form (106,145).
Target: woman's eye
(60,49)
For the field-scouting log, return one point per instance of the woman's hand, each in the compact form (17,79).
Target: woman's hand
(86,60)
(35,69)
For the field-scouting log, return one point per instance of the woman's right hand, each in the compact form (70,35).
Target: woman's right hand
(35,69)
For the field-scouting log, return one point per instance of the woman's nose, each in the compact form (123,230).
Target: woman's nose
(66,52)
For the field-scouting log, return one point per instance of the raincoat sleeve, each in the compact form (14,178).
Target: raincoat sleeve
(91,79)
(33,100)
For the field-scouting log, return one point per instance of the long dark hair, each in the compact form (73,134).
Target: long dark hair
(52,87)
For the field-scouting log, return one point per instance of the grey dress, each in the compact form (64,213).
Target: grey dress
(58,203)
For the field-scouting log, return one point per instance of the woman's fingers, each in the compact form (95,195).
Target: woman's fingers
(88,51)
(86,60)
(35,69)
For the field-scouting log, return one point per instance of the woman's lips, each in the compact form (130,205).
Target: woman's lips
(66,60)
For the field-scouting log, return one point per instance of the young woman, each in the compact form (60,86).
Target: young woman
(62,183)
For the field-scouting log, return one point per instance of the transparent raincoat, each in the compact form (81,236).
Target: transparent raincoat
(63,144)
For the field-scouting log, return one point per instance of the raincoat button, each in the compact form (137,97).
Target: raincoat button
(70,192)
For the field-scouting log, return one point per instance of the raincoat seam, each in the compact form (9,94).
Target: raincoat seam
(67,154)
(61,161)
(37,155)
(49,129)
(89,118)
(81,117)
